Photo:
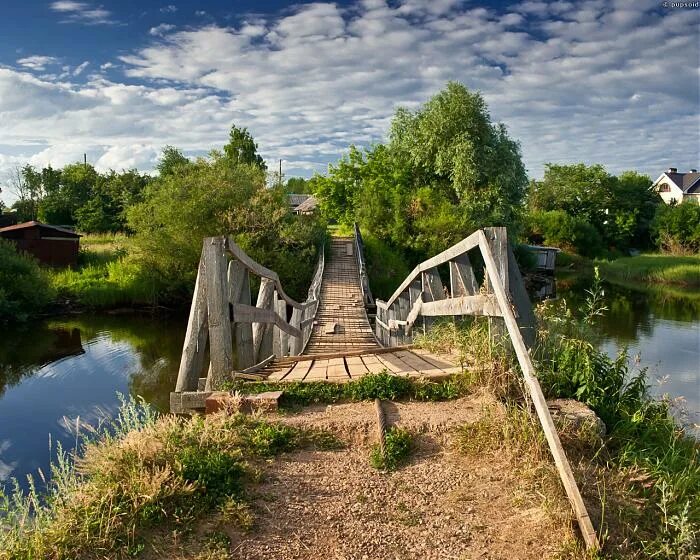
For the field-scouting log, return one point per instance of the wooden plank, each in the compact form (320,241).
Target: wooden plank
(533,385)
(395,365)
(416,362)
(433,289)
(336,370)
(297,371)
(192,360)
(328,355)
(525,316)
(317,372)
(243,332)
(220,337)
(462,279)
(249,314)
(483,305)
(284,333)
(262,338)
(372,363)
(356,367)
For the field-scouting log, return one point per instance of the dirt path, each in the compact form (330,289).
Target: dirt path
(333,505)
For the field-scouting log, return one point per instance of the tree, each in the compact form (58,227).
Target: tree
(621,209)
(170,161)
(446,171)
(299,185)
(77,185)
(676,228)
(26,185)
(242,149)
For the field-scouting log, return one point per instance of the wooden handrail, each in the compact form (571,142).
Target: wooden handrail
(447,255)
(362,266)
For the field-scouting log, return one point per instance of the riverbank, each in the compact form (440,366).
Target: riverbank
(677,272)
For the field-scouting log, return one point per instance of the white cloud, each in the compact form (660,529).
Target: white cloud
(37,62)
(169,9)
(574,81)
(161,29)
(79,69)
(82,12)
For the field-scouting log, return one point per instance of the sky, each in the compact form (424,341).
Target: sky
(615,82)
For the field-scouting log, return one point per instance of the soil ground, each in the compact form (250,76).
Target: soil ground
(443,504)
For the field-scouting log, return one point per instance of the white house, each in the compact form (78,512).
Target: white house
(679,187)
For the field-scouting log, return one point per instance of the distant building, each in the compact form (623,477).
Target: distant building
(678,187)
(52,245)
(307,207)
(296,199)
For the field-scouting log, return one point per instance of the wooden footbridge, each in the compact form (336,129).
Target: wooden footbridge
(328,337)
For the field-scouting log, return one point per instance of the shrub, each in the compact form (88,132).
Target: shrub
(386,267)
(557,228)
(676,228)
(24,286)
(397,448)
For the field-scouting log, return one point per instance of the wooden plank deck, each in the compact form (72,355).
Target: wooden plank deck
(408,363)
(341,305)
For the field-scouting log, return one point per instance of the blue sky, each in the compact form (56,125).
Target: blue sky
(600,81)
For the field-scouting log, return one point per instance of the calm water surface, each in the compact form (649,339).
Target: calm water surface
(60,372)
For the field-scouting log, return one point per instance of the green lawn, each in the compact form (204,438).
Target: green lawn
(654,268)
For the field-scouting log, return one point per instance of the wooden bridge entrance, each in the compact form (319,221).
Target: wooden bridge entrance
(328,336)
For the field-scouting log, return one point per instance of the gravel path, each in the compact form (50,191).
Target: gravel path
(443,505)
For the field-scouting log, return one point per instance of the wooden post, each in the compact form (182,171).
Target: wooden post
(239,292)
(296,342)
(196,336)
(497,238)
(220,341)
(462,279)
(283,336)
(533,385)
(262,332)
(432,291)
(276,339)
(526,318)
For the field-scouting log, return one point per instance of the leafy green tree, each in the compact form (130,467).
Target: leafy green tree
(170,161)
(621,209)
(76,187)
(676,228)
(299,185)
(213,197)
(242,149)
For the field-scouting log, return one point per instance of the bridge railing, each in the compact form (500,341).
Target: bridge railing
(422,297)
(362,267)
(222,312)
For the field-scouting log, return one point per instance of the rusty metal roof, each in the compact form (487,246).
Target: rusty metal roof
(33,223)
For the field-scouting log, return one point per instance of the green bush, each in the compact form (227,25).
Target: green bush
(24,286)
(557,228)
(386,267)
(676,228)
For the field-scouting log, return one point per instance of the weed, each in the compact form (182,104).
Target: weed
(397,448)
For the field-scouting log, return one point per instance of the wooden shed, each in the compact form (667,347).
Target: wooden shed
(546,257)
(52,245)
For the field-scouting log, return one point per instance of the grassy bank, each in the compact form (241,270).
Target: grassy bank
(105,276)
(656,269)
(149,479)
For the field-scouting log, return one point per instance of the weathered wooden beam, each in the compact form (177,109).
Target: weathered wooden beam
(259,270)
(192,359)
(220,339)
(433,290)
(462,279)
(533,385)
(348,353)
(250,314)
(239,286)
(460,248)
(284,334)
(521,301)
(296,342)
(483,305)
(261,340)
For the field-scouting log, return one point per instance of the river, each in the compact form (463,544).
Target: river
(59,373)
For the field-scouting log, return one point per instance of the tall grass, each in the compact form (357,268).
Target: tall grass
(656,461)
(135,474)
(664,269)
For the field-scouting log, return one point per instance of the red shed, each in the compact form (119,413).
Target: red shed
(51,245)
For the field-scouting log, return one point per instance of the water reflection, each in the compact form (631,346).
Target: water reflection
(661,329)
(57,374)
